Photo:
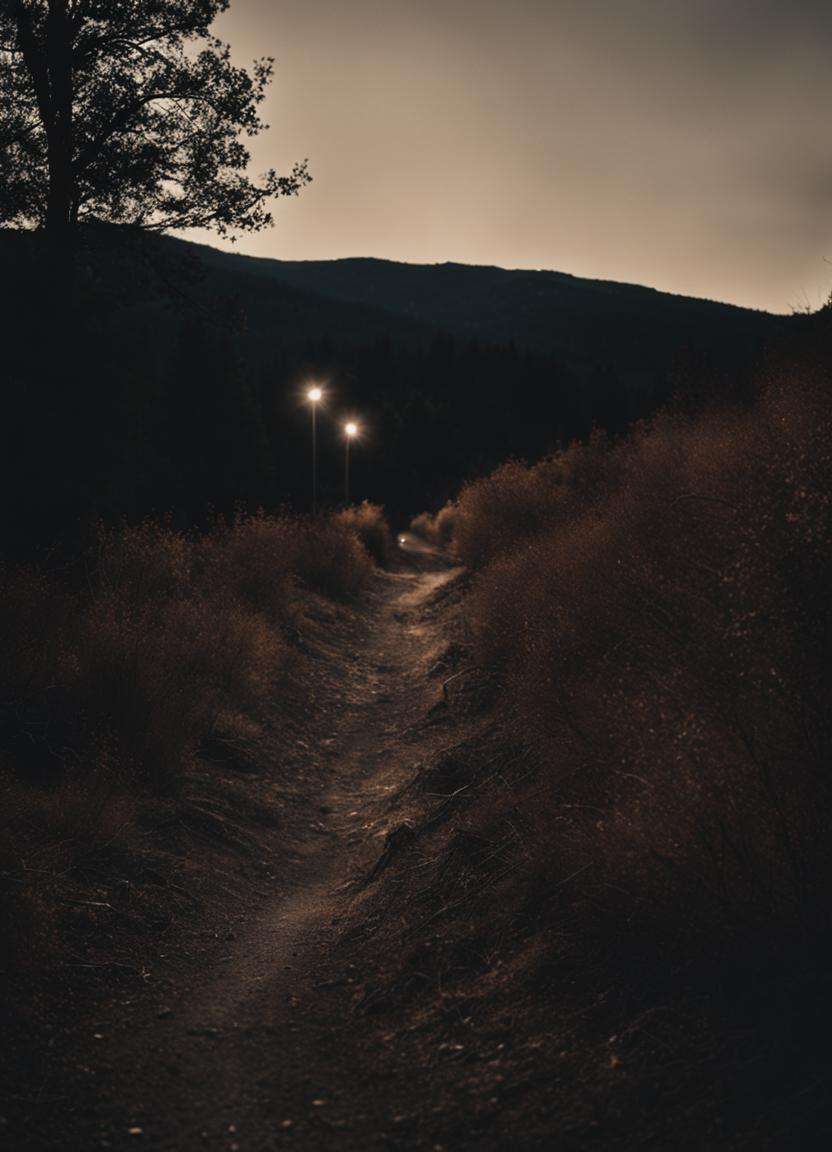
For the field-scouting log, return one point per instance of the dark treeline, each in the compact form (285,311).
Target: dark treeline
(167,386)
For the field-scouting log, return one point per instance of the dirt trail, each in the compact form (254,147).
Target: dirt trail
(256,1052)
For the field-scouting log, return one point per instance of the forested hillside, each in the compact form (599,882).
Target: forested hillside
(583,322)
(173,381)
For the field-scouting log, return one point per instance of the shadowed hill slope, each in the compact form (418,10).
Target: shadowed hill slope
(177,383)
(582,321)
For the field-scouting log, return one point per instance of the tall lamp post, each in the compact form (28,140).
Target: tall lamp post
(314,396)
(350,432)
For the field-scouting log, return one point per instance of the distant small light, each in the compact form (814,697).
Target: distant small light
(401,540)
(314,394)
(351,429)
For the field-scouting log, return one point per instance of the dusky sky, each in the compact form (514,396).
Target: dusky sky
(684,144)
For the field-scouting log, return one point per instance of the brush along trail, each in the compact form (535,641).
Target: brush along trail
(253,1048)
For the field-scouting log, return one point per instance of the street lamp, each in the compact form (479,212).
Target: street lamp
(350,432)
(314,396)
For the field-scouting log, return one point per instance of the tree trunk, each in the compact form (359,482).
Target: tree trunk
(59,130)
(47,54)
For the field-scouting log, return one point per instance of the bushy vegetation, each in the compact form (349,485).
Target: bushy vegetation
(369,524)
(116,670)
(656,616)
(437,529)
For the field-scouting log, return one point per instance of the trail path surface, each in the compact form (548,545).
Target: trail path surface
(256,1053)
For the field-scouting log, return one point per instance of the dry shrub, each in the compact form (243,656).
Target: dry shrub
(438,529)
(332,560)
(109,684)
(253,559)
(166,630)
(444,525)
(661,619)
(517,501)
(143,562)
(151,678)
(370,525)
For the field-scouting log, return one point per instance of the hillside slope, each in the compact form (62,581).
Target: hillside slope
(180,384)
(579,320)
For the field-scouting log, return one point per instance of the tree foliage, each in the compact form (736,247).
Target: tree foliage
(129,111)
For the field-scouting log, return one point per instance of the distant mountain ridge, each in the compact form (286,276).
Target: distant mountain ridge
(579,320)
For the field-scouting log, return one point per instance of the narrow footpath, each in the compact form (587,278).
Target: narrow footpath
(256,1053)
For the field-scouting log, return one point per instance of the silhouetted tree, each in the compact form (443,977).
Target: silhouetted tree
(128,111)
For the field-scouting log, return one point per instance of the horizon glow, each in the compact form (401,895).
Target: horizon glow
(660,142)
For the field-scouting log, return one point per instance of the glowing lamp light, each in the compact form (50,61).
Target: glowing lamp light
(314,394)
(351,429)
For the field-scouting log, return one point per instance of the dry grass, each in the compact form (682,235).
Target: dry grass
(505,510)
(658,614)
(332,560)
(437,529)
(369,524)
(114,674)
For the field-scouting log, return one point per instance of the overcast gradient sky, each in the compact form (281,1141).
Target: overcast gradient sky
(685,144)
